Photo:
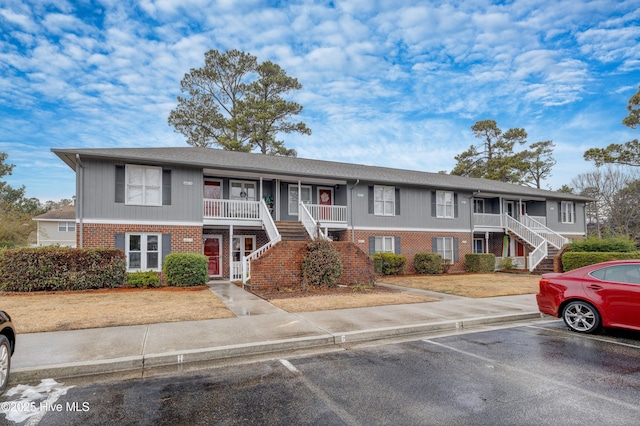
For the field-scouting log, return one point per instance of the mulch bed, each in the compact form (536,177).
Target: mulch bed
(105,290)
(288,293)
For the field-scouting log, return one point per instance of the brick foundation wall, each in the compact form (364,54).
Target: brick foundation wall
(104,235)
(280,266)
(413,242)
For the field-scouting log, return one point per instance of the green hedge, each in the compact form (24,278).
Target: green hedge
(61,268)
(143,279)
(389,263)
(573,260)
(605,245)
(428,263)
(481,262)
(185,269)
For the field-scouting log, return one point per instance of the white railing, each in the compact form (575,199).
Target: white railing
(231,209)
(327,214)
(555,239)
(312,227)
(531,237)
(274,237)
(488,219)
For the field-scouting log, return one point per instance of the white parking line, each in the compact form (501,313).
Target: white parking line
(588,336)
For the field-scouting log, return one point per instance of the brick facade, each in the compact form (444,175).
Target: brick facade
(413,242)
(184,239)
(280,267)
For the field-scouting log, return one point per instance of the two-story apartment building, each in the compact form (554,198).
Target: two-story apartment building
(234,206)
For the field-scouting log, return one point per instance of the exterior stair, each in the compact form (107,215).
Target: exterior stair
(292,231)
(547,263)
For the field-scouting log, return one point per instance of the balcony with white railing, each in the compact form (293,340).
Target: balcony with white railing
(328,215)
(240,210)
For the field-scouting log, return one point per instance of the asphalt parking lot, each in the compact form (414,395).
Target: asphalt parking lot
(531,374)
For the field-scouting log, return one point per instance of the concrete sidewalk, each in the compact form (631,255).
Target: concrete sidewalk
(259,328)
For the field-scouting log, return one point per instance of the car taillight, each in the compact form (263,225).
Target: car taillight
(543,283)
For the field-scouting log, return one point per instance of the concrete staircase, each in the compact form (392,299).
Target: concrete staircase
(292,231)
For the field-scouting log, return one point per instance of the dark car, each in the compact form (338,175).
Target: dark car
(7,346)
(606,294)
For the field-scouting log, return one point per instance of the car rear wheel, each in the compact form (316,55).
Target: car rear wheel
(581,317)
(5,362)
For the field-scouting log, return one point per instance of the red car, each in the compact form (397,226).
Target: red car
(606,294)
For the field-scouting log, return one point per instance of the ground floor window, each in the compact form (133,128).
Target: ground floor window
(143,252)
(444,247)
(384,245)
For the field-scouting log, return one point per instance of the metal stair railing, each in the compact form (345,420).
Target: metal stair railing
(274,238)
(531,237)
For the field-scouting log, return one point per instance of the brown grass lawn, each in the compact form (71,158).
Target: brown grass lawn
(52,311)
(470,285)
(345,300)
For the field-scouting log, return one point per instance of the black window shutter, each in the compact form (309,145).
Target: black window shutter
(119,242)
(120,184)
(397,201)
(456,251)
(372,245)
(434,245)
(433,204)
(166,245)
(455,205)
(371,200)
(396,247)
(166,187)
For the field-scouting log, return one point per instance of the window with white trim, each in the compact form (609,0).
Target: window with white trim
(444,247)
(478,245)
(384,245)
(143,252)
(66,226)
(384,200)
(143,185)
(305,197)
(444,204)
(567,212)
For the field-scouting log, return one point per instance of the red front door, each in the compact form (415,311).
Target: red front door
(325,198)
(212,251)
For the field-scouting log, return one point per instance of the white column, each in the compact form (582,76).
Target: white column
(230,252)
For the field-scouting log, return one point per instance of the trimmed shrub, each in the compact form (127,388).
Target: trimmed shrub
(389,263)
(321,265)
(143,279)
(61,268)
(428,263)
(573,260)
(607,245)
(507,263)
(480,262)
(185,269)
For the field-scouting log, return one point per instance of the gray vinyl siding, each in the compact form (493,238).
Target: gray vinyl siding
(415,210)
(554,222)
(99,198)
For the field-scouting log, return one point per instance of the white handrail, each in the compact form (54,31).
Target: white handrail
(274,238)
(555,239)
(327,214)
(312,227)
(234,209)
(529,236)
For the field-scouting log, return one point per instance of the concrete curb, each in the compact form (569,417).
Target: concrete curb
(138,366)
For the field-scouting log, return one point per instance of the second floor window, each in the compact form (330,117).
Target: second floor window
(143,185)
(478,205)
(384,199)
(444,204)
(567,212)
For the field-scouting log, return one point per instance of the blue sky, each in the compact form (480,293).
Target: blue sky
(391,83)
